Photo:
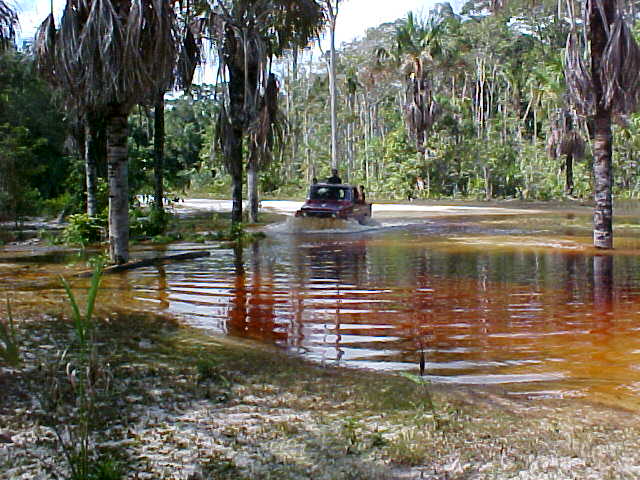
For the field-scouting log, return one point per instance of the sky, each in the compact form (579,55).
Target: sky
(354,16)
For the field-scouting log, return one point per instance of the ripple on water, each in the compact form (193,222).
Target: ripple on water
(485,308)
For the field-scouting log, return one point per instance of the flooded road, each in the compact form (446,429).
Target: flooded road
(489,296)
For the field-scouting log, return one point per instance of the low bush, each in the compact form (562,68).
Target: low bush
(83,230)
(147,224)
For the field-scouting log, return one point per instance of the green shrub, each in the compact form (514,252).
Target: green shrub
(83,230)
(142,225)
(52,207)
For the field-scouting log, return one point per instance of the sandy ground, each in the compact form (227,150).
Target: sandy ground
(169,403)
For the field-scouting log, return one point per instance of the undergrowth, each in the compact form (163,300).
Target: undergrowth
(9,342)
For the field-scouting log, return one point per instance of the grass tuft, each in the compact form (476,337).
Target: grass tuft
(10,346)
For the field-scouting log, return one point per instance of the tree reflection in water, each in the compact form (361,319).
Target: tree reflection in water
(492,313)
(251,312)
(603,283)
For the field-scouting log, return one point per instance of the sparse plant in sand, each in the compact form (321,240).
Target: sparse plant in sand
(75,383)
(9,343)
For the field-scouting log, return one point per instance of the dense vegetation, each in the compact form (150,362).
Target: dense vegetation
(468,104)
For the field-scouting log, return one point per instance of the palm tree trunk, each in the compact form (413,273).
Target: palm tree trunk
(252,189)
(568,167)
(234,135)
(117,174)
(236,189)
(91,170)
(158,153)
(603,178)
(488,193)
(603,175)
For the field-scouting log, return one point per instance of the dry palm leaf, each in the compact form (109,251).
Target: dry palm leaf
(563,138)
(578,76)
(620,69)
(8,22)
(45,49)
(109,53)
(189,57)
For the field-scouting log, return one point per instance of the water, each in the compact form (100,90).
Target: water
(516,300)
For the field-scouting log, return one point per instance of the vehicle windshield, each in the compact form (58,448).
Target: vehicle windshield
(329,192)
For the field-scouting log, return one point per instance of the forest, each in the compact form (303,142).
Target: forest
(170,310)
(473,103)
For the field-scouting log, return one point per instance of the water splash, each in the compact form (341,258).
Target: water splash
(297,225)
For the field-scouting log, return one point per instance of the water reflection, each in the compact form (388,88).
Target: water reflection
(470,303)
(251,313)
(603,279)
(549,320)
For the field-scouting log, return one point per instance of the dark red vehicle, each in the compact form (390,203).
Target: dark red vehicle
(328,200)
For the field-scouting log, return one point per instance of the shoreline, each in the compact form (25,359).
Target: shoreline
(188,406)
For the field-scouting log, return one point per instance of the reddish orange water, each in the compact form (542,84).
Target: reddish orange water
(516,301)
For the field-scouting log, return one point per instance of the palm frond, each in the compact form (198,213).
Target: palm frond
(620,71)
(564,138)
(190,56)
(107,52)
(266,131)
(421,110)
(8,23)
(45,49)
(580,87)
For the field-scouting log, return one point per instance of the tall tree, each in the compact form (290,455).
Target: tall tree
(417,42)
(109,55)
(332,7)
(184,70)
(602,86)
(265,132)
(248,34)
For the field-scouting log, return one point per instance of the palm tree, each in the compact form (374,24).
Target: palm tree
(601,86)
(8,22)
(565,140)
(263,135)
(418,44)
(109,55)
(187,62)
(247,35)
